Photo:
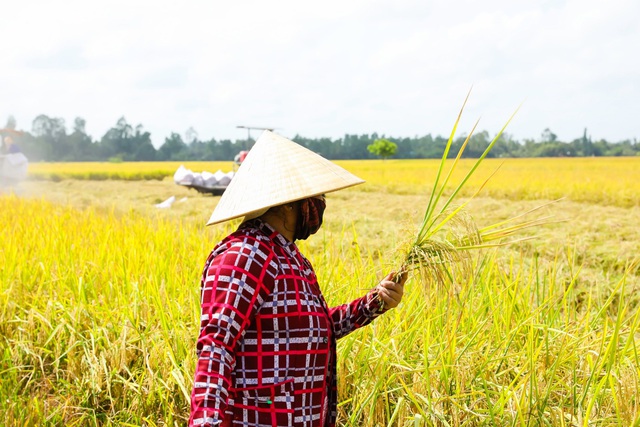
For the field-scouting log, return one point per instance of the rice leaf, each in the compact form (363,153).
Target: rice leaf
(434,197)
(448,234)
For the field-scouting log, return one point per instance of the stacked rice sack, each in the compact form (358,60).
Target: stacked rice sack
(184,176)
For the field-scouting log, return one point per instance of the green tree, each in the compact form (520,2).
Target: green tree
(116,142)
(587,145)
(50,142)
(81,146)
(548,136)
(383,148)
(173,148)
(478,142)
(355,146)
(11,122)
(144,150)
(127,143)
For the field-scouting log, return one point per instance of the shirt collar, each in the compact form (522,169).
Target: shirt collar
(273,234)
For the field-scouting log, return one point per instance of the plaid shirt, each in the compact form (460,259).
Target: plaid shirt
(267,344)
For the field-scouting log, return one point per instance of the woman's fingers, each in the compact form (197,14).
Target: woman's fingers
(391,300)
(399,278)
(391,292)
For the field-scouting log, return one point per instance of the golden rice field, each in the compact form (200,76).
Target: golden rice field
(613,180)
(99,299)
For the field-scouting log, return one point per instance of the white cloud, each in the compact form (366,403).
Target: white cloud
(400,68)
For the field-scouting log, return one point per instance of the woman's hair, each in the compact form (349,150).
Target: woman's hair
(276,210)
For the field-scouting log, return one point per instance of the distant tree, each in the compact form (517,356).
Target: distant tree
(601,147)
(173,148)
(420,147)
(81,146)
(143,149)
(48,127)
(551,149)
(622,148)
(79,125)
(115,144)
(11,122)
(478,142)
(355,146)
(548,136)
(382,148)
(223,149)
(506,146)
(587,145)
(439,144)
(323,146)
(198,150)
(190,136)
(124,142)
(50,142)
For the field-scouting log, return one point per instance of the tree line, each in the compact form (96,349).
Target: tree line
(51,140)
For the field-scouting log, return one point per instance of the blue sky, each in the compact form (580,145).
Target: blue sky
(400,68)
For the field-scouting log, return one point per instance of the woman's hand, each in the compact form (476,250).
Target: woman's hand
(391,292)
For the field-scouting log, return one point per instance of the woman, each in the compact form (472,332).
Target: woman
(267,344)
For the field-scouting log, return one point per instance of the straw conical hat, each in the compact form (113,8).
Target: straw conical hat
(278,171)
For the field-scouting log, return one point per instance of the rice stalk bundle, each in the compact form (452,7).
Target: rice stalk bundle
(448,233)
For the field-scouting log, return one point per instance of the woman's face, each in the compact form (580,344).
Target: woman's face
(310,215)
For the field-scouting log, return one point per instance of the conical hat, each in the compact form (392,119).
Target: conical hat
(278,171)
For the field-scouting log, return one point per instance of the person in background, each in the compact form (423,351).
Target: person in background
(10,146)
(13,166)
(267,343)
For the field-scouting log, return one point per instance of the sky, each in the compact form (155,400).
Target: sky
(325,69)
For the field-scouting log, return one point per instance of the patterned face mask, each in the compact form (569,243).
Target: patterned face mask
(309,217)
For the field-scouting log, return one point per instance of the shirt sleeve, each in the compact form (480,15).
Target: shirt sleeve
(347,318)
(235,283)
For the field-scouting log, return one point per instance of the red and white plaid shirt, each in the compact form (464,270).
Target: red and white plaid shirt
(267,344)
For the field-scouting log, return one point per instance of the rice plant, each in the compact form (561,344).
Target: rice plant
(448,233)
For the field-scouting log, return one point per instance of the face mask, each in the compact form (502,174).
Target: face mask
(309,217)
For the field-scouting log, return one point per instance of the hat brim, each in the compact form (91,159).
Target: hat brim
(278,171)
